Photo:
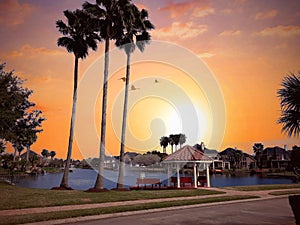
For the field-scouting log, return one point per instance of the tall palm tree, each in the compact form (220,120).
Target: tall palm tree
(110,16)
(79,34)
(164,142)
(289,96)
(136,27)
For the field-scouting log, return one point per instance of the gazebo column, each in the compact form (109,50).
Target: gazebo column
(178,175)
(195,175)
(207,175)
(169,175)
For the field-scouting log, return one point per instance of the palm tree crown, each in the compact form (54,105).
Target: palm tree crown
(289,96)
(80,34)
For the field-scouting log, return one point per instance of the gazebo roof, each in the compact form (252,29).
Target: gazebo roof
(187,154)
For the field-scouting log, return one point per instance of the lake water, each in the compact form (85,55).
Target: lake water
(83,179)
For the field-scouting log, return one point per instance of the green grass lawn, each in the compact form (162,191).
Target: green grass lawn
(292,192)
(13,197)
(264,187)
(116,209)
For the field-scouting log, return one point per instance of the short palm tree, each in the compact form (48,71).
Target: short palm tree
(289,96)
(136,27)
(164,142)
(258,150)
(110,16)
(79,34)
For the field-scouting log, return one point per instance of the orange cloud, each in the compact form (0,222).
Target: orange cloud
(181,30)
(230,33)
(13,12)
(284,31)
(195,8)
(28,49)
(206,55)
(266,15)
(203,11)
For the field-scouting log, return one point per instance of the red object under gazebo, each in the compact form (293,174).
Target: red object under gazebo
(188,154)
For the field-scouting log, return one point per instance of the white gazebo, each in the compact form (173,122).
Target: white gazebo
(187,155)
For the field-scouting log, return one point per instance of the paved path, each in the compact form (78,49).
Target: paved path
(264,196)
(271,211)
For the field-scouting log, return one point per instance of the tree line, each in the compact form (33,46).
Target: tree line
(172,139)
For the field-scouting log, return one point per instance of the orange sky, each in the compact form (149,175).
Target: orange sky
(248,47)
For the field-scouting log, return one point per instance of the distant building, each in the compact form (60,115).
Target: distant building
(275,157)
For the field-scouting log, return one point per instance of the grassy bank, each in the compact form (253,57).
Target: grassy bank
(117,209)
(264,187)
(13,197)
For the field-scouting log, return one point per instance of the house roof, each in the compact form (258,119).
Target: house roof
(30,153)
(187,154)
(211,152)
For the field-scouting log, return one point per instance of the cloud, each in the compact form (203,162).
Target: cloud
(195,8)
(230,33)
(13,13)
(181,30)
(266,15)
(29,50)
(203,11)
(206,55)
(284,31)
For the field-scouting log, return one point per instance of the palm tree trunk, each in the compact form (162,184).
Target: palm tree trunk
(64,181)
(27,153)
(99,184)
(120,183)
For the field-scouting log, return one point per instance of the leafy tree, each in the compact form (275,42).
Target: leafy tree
(29,127)
(136,27)
(79,34)
(289,96)
(110,16)
(164,142)
(146,160)
(52,154)
(295,161)
(45,153)
(14,99)
(258,149)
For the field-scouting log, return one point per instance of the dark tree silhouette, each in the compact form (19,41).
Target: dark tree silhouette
(182,139)
(79,34)
(164,142)
(289,96)
(258,149)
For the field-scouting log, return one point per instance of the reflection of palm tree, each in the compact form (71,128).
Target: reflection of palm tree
(110,24)
(289,96)
(78,37)
(136,27)
(258,149)
(164,142)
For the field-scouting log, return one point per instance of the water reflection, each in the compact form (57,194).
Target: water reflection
(83,179)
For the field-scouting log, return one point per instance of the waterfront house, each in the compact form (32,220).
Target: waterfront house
(275,157)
